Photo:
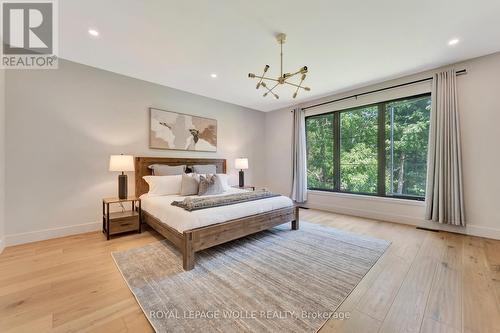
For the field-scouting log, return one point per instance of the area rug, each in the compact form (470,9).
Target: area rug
(274,281)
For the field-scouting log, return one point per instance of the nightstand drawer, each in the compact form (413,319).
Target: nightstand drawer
(124,224)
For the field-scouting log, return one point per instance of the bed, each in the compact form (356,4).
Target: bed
(194,231)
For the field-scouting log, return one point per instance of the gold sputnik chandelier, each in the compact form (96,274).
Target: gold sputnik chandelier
(272,83)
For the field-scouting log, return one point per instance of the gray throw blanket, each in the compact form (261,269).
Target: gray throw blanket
(197,203)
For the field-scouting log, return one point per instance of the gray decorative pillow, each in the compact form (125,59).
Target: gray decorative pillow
(210,185)
(190,184)
(204,169)
(167,170)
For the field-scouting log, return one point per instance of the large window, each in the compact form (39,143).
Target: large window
(378,149)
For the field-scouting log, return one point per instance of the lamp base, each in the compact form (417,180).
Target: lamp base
(242,178)
(122,187)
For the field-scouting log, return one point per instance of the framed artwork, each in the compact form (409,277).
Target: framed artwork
(178,131)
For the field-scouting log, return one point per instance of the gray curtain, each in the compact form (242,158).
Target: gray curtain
(444,195)
(299,168)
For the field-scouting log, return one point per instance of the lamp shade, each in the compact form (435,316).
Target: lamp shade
(241,163)
(121,163)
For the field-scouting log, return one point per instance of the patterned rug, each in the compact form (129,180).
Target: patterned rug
(274,281)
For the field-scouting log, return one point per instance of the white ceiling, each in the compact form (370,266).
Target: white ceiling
(344,43)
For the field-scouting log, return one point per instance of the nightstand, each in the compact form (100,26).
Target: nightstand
(246,187)
(114,223)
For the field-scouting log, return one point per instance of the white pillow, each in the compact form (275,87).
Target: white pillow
(224,180)
(163,185)
(190,184)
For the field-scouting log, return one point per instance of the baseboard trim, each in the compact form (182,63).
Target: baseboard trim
(367,214)
(471,229)
(486,232)
(39,235)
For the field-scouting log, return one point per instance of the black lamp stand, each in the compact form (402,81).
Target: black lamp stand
(242,178)
(122,186)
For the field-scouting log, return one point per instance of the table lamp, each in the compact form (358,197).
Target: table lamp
(121,163)
(242,164)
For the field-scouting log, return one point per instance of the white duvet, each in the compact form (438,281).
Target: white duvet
(181,220)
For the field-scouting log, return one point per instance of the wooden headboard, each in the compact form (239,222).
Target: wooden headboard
(142,163)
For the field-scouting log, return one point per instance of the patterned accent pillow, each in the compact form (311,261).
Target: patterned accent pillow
(210,185)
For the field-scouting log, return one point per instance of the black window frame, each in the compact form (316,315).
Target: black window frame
(381,154)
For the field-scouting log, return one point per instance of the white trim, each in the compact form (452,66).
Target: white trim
(471,229)
(398,201)
(486,232)
(370,214)
(39,235)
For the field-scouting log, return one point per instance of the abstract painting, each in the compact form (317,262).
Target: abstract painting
(172,130)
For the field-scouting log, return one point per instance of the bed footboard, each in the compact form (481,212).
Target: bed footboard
(192,241)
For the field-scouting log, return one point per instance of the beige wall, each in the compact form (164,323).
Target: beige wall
(2,159)
(479,103)
(63,125)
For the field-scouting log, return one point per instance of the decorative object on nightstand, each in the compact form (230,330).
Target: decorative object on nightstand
(121,163)
(123,221)
(246,187)
(242,164)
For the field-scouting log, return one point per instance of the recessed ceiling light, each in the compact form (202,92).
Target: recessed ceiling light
(93,32)
(453,41)
(213,75)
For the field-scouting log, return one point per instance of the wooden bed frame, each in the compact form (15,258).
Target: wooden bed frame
(194,240)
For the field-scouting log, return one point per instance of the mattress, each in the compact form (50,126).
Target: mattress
(175,217)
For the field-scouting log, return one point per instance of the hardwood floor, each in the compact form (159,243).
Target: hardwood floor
(425,282)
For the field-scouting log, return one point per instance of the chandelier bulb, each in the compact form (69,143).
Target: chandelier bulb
(303,77)
(307,88)
(258,86)
(277,97)
(251,75)
(263,84)
(294,95)
(266,68)
(265,94)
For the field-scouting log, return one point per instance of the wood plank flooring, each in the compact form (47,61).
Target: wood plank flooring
(425,282)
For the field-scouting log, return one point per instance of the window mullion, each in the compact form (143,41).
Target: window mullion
(336,149)
(381,150)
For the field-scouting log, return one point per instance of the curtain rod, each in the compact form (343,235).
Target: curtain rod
(460,72)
